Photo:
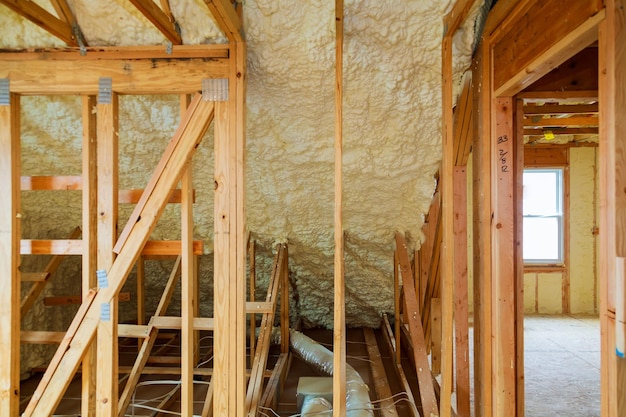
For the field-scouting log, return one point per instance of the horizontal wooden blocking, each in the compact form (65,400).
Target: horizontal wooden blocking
(194,124)
(76,299)
(75,247)
(38,286)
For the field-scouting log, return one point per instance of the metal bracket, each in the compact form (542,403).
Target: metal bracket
(105,312)
(105,90)
(215,89)
(168,48)
(5,95)
(80,38)
(103,282)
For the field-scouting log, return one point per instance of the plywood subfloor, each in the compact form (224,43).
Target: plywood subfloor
(562,365)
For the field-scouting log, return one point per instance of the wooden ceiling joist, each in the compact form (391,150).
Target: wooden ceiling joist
(44,19)
(561,109)
(562,131)
(588,121)
(227,18)
(160,19)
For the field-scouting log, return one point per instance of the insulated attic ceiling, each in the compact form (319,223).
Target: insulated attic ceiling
(392,133)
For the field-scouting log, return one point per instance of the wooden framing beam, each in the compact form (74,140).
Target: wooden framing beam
(193,126)
(44,19)
(554,109)
(76,246)
(252,296)
(107,216)
(89,238)
(272,388)
(504,223)
(613,126)
(561,121)
(392,347)
(9,253)
(424,376)
(463,121)
(561,131)
(481,208)
(230,242)
(461,318)
(159,19)
(189,302)
(575,28)
(148,70)
(339,299)
(377,368)
(227,19)
(75,182)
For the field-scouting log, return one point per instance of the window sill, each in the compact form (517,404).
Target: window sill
(545,268)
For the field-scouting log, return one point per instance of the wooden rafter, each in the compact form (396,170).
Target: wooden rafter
(65,14)
(227,19)
(160,19)
(44,19)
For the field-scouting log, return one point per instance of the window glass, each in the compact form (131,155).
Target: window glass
(543,216)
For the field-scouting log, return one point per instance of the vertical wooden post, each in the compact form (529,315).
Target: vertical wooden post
(481,151)
(339,321)
(284,303)
(189,302)
(107,149)
(9,251)
(238,245)
(230,244)
(435,335)
(518,198)
(252,292)
(504,260)
(447,245)
(140,270)
(90,242)
(460,293)
(188,286)
(607,38)
(396,296)
(613,130)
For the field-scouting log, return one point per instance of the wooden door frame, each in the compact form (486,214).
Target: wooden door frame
(498,265)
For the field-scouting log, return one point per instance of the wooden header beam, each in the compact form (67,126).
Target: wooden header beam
(147,70)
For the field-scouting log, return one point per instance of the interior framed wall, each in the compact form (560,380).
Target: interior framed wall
(504,65)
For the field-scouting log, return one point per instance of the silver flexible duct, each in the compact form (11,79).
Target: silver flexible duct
(358,402)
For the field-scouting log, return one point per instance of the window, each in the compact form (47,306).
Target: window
(543,216)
